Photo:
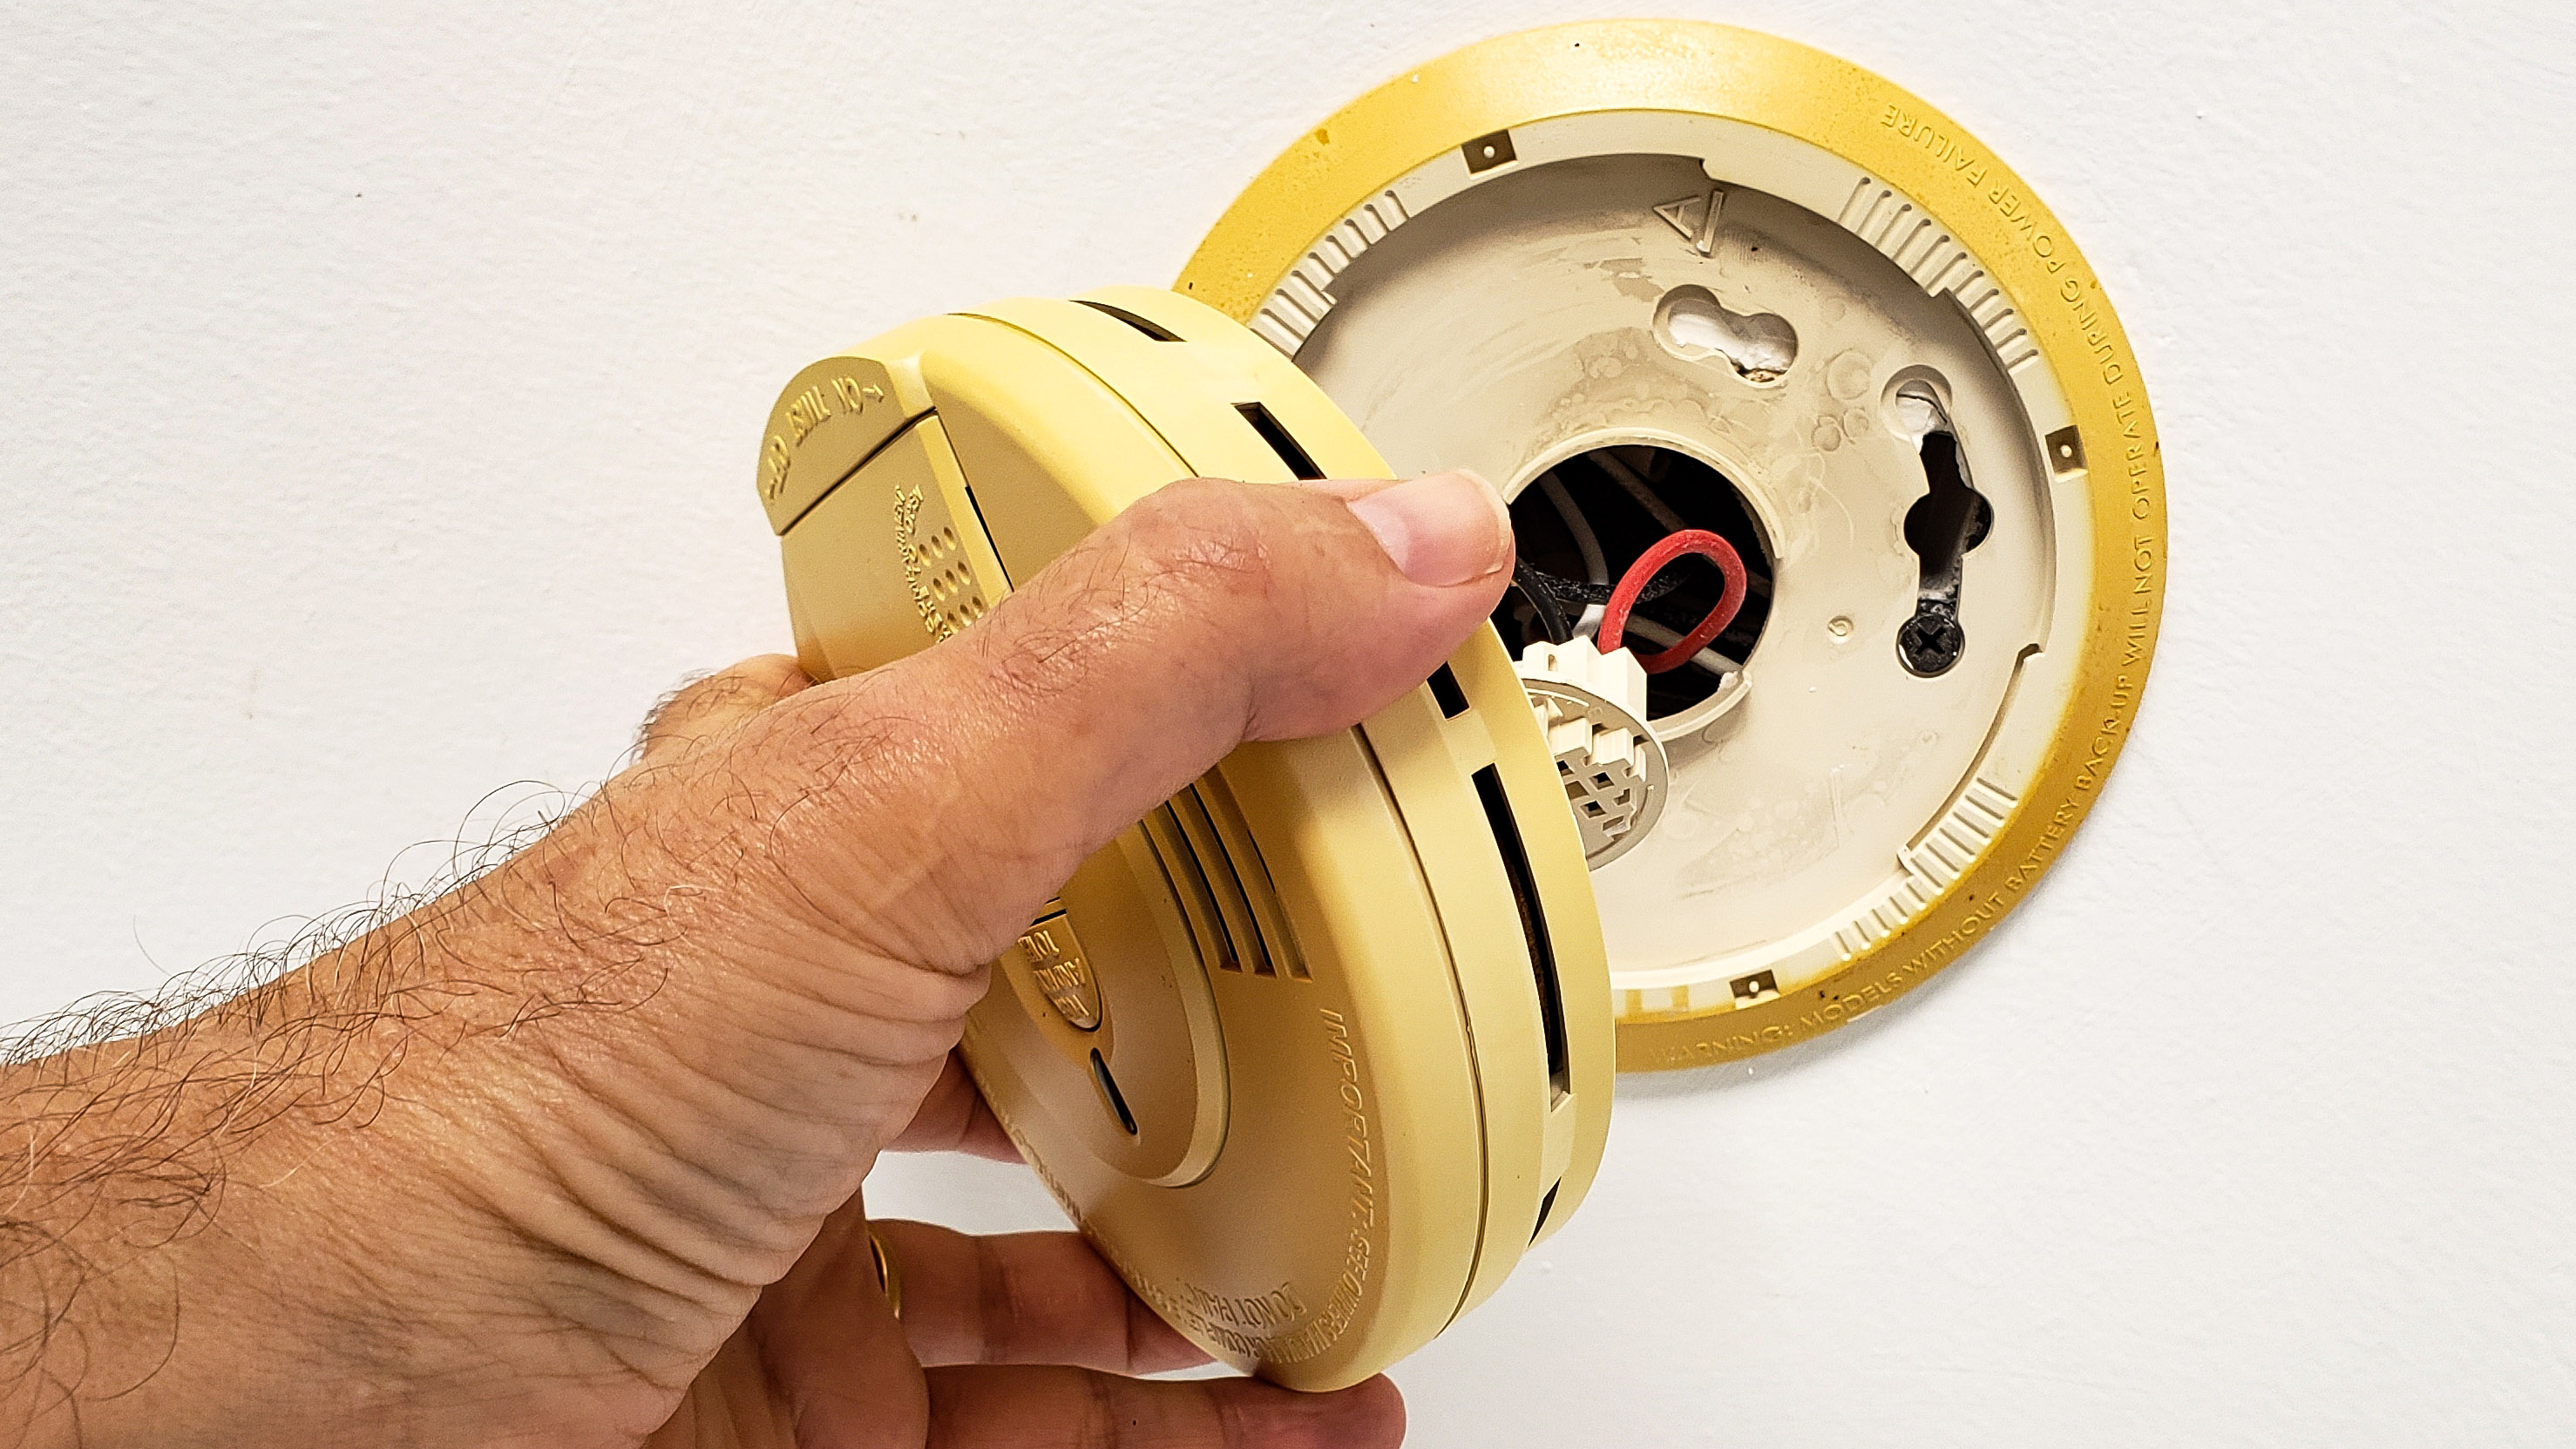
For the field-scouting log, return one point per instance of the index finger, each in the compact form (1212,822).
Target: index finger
(1044,1298)
(953,1117)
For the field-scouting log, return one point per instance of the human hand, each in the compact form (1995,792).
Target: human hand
(1019,1340)
(572,1154)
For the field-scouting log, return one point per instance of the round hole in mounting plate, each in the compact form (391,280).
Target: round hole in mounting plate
(1582,520)
(1840,826)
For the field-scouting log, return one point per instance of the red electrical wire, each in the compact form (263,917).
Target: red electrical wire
(1614,616)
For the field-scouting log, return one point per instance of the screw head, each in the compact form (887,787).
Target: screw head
(1931,642)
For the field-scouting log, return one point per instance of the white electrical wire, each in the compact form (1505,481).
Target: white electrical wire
(1708,659)
(1596,566)
(1626,477)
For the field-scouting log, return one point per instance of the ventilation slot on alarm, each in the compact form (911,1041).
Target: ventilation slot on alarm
(1115,1099)
(1244,948)
(1224,888)
(1446,693)
(1151,329)
(1300,465)
(1516,869)
(1190,885)
(1244,869)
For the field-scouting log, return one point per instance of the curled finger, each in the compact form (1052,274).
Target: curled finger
(1024,1298)
(1071,1408)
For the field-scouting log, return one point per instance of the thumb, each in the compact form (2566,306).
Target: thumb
(966,782)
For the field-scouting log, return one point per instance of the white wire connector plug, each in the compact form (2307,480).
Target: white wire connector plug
(1592,708)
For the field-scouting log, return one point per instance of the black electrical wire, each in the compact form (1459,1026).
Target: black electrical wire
(1576,591)
(1551,595)
(1551,614)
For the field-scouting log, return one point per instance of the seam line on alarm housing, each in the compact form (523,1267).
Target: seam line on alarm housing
(898,435)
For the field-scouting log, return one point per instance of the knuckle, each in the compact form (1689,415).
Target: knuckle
(674,706)
(706,704)
(1098,1420)
(1145,1333)
(997,1303)
(1193,566)
(1207,535)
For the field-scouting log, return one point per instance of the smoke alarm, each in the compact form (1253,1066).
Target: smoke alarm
(1320,1048)
(1670,282)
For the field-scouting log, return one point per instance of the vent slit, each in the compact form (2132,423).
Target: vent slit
(977,505)
(1299,465)
(1251,874)
(1109,1090)
(1151,329)
(1546,1205)
(1516,870)
(1215,861)
(1444,688)
(1189,882)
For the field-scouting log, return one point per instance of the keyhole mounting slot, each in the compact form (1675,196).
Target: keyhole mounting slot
(1692,323)
(1950,519)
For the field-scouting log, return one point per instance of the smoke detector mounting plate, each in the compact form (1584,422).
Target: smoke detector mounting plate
(1647,274)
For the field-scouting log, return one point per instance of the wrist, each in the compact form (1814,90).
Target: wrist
(186,1259)
(519,1159)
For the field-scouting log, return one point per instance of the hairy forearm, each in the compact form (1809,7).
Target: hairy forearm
(154,1189)
(548,1094)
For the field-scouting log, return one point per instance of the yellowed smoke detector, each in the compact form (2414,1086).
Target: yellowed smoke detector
(1321,1047)
(1658,276)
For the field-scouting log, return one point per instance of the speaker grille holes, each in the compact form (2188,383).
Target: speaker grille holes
(1692,323)
(940,564)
